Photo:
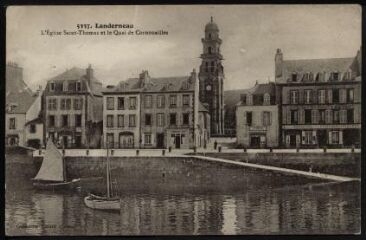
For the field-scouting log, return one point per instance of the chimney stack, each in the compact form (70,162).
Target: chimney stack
(89,76)
(144,78)
(278,63)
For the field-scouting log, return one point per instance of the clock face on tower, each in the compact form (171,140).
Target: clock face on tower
(208,87)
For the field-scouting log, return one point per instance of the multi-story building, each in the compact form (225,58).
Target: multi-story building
(73,109)
(320,101)
(165,112)
(211,77)
(20,104)
(257,123)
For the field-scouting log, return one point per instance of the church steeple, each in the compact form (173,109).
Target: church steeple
(211,76)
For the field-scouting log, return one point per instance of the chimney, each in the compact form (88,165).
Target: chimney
(359,60)
(278,63)
(193,76)
(144,78)
(89,76)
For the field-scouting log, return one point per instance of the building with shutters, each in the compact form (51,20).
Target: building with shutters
(320,101)
(257,124)
(73,109)
(148,112)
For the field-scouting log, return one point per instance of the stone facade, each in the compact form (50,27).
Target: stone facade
(257,123)
(211,77)
(320,101)
(73,109)
(167,112)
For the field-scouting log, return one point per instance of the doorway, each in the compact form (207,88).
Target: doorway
(77,141)
(292,140)
(160,140)
(255,141)
(64,141)
(322,138)
(177,141)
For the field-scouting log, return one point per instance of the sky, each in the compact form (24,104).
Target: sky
(250,34)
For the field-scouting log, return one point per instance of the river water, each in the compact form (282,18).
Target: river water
(287,208)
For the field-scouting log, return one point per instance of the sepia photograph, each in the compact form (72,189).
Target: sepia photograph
(183,120)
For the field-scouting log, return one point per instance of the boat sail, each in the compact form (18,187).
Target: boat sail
(108,202)
(52,174)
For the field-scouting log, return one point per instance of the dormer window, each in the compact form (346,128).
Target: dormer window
(78,86)
(65,86)
(52,86)
(335,76)
(347,76)
(294,77)
(266,99)
(306,77)
(311,77)
(249,99)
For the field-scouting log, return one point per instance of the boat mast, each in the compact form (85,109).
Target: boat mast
(108,190)
(63,164)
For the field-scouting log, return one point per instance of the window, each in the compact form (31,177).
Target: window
(321,96)
(249,99)
(294,97)
(334,137)
(336,116)
(65,86)
(249,117)
(78,103)
(121,121)
(308,95)
(185,118)
(110,121)
(209,50)
(78,118)
(350,95)
(330,96)
(335,95)
(350,116)
(212,66)
(311,77)
(110,103)
(314,116)
(347,76)
(173,119)
(294,77)
(294,116)
(334,76)
(52,104)
(173,100)
(206,66)
(307,116)
(147,138)
(12,123)
(307,137)
(185,100)
(32,128)
(161,101)
(148,101)
(160,119)
(266,119)
(147,119)
(52,86)
(110,140)
(68,104)
(63,104)
(266,99)
(209,35)
(121,103)
(65,120)
(51,121)
(132,101)
(78,86)
(322,116)
(132,120)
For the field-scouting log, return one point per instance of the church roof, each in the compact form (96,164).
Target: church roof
(211,26)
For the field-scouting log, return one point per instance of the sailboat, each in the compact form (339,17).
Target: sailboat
(52,174)
(104,202)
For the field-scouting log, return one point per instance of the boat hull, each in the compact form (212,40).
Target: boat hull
(54,186)
(102,203)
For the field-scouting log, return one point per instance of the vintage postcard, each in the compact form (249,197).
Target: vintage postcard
(183,120)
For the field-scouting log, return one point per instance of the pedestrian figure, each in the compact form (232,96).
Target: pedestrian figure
(215,145)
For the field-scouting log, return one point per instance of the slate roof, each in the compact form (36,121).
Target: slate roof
(162,84)
(35,121)
(259,89)
(315,66)
(18,93)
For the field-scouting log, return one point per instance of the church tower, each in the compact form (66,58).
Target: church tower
(211,78)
